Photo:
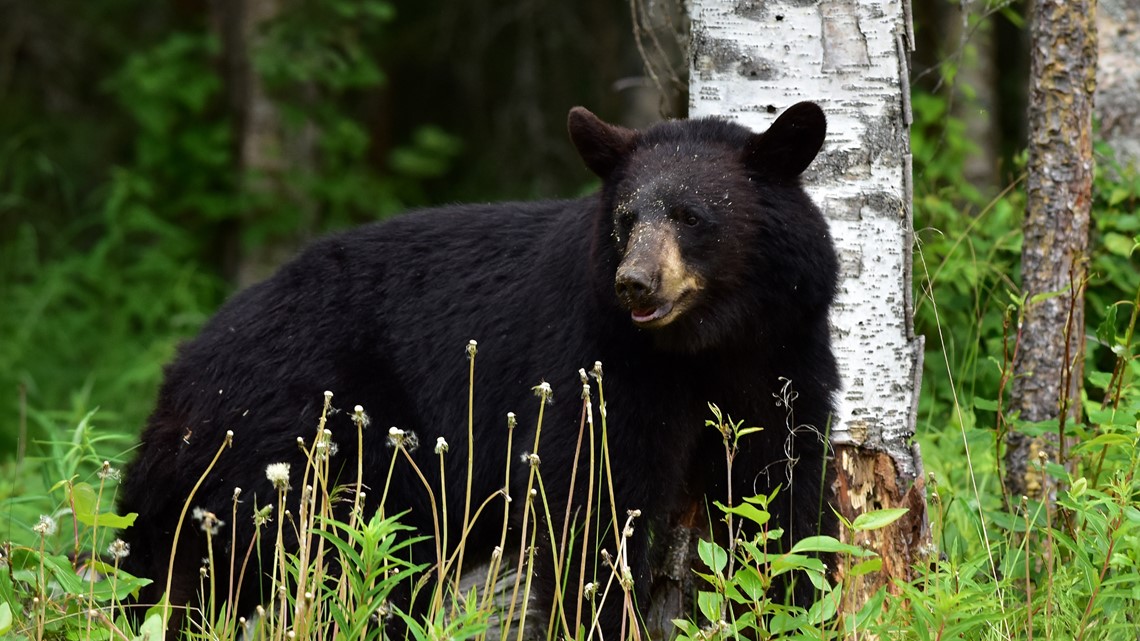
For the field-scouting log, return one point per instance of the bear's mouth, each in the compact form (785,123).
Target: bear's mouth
(646,315)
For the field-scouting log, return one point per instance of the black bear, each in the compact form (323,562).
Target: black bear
(700,272)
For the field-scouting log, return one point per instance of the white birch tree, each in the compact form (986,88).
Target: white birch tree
(751,59)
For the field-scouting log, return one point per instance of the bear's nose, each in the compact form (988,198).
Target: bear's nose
(633,285)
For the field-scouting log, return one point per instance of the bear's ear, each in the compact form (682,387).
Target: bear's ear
(790,144)
(601,145)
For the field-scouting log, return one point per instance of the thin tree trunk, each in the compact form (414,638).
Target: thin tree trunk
(750,60)
(1048,365)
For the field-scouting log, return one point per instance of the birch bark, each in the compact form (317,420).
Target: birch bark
(750,60)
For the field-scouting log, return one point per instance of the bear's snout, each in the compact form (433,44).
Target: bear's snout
(634,286)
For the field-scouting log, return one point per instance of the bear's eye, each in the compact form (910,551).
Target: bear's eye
(689,218)
(625,217)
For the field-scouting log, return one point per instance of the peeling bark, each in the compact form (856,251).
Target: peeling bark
(870,481)
(1048,366)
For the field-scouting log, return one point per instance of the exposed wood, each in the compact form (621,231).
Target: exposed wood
(870,481)
(1048,365)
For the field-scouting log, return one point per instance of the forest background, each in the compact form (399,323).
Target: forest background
(155,157)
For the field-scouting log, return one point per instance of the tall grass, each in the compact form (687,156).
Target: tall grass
(342,578)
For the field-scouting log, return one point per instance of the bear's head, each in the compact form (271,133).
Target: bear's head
(705,228)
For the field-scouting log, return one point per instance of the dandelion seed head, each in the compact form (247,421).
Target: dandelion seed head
(512,420)
(207,520)
(402,438)
(582,375)
(119,549)
(108,473)
(440,445)
(278,474)
(362,419)
(46,526)
(328,394)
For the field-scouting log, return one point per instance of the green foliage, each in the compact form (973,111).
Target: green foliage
(98,288)
(1009,567)
(744,601)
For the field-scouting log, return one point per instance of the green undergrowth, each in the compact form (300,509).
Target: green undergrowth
(60,575)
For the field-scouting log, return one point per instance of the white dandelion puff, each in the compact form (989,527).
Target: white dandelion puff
(46,526)
(278,474)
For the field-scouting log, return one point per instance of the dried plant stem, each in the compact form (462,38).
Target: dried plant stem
(226,442)
(471,351)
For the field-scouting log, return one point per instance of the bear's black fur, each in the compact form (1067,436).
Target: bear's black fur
(700,273)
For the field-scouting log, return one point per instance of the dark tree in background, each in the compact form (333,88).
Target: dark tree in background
(1118,77)
(1051,336)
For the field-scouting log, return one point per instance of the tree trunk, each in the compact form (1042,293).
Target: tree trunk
(1118,77)
(1048,366)
(750,60)
(264,148)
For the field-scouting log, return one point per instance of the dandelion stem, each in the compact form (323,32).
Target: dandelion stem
(226,442)
(471,351)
